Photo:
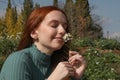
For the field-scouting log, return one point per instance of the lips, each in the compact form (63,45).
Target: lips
(59,39)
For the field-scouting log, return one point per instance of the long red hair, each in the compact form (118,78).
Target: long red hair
(33,21)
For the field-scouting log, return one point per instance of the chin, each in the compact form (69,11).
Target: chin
(57,47)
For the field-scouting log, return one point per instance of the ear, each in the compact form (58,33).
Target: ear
(34,34)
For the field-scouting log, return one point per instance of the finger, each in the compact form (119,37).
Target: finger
(75,63)
(72,53)
(77,60)
(75,57)
(71,71)
(69,68)
(66,64)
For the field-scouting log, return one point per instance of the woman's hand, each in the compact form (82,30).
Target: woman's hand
(62,71)
(78,63)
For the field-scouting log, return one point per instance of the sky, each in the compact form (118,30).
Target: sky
(107,10)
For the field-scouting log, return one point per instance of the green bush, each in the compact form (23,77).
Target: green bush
(7,46)
(108,44)
(101,43)
(83,42)
(100,66)
(1,63)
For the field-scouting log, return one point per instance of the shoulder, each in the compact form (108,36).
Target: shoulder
(16,65)
(22,55)
(18,58)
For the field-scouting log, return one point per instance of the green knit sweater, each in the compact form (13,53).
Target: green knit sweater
(27,64)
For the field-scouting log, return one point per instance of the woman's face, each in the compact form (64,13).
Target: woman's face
(51,31)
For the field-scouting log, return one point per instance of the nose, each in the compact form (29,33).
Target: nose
(61,30)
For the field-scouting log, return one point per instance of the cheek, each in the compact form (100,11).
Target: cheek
(50,32)
(47,33)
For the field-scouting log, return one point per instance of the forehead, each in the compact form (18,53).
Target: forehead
(55,15)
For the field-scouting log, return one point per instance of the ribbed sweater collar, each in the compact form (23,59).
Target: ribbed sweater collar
(40,56)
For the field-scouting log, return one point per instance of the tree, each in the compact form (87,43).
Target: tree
(2,28)
(81,22)
(88,27)
(97,26)
(83,18)
(27,8)
(37,5)
(9,19)
(15,15)
(19,25)
(70,11)
(55,3)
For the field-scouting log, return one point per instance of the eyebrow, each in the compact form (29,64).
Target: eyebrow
(65,23)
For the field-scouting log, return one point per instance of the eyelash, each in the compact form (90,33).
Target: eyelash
(54,26)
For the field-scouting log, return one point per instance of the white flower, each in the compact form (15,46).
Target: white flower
(67,37)
(112,69)
(97,63)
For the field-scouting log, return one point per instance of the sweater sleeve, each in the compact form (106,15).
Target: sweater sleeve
(16,68)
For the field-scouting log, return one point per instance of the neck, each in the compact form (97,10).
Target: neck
(43,49)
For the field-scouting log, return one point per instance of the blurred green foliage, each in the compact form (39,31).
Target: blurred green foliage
(7,46)
(100,65)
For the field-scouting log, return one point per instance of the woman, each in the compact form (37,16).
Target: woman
(41,52)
